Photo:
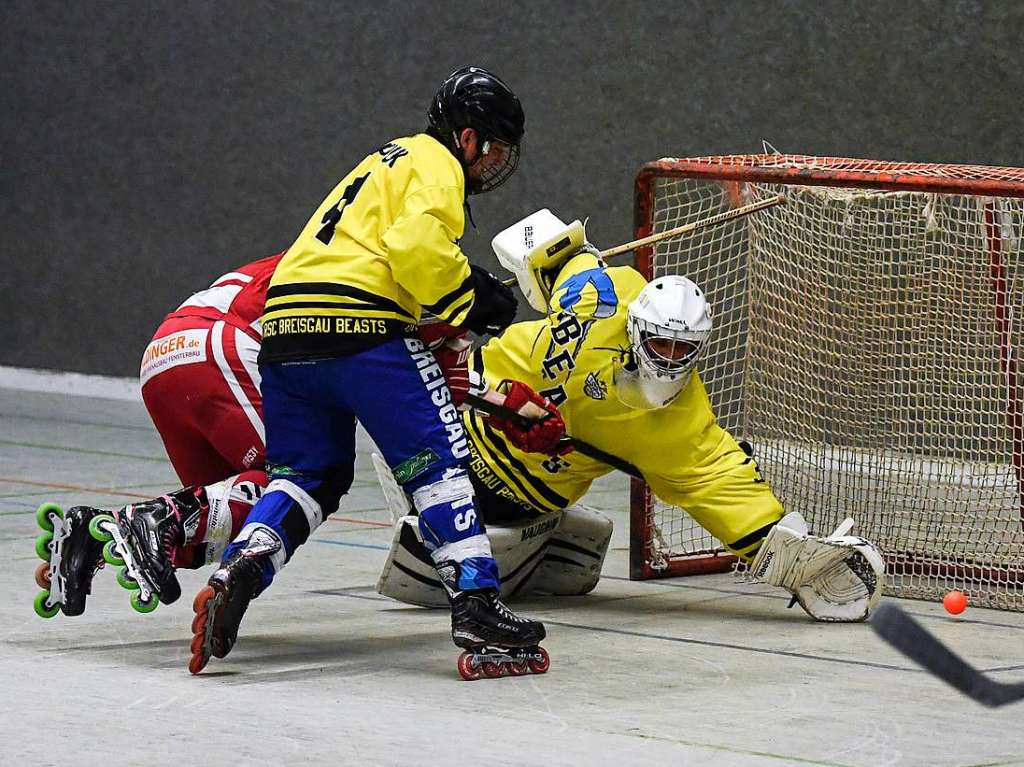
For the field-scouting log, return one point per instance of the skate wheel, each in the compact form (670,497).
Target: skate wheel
(43,546)
(466,669)
(43,576)
(199,621)
(197,663)
(125,580)
(141,605)
(196,645)
(110,554)
(43,516)
(540,666)
(98,532)
(491,670)
(206,593)
(42,609)
(519,668)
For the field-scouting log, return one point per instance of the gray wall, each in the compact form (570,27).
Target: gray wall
(148,147)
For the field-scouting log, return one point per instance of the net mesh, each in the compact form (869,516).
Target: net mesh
(865,345)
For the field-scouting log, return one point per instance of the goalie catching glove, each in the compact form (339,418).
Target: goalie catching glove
(838,578)
(545,434)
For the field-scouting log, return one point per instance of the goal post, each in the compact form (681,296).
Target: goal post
(866,344)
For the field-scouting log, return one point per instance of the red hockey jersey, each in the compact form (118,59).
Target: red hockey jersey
(236,297)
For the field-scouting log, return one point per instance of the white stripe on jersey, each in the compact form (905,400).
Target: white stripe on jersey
(231,276)
(217,342)
(219,297)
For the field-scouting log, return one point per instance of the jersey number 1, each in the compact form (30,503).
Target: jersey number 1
(333,214)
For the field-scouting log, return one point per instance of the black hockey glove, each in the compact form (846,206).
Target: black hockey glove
(495,304)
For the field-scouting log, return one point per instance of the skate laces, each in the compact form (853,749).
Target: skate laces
(174,531)
(504,611)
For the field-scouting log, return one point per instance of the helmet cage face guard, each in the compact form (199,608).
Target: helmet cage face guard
(494,175)
(668,353)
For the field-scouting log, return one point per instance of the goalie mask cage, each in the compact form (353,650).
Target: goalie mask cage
(865,344)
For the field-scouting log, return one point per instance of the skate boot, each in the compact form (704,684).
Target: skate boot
(70,557)
(142,541)
(497,642)
(220,605)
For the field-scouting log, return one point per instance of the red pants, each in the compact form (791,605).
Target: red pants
(201,386)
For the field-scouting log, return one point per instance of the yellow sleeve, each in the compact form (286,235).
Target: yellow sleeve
(424,258)
(720,486)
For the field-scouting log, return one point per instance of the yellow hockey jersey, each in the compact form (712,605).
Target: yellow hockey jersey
(680,449)
(380,249)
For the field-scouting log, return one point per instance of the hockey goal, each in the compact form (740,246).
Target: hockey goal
(866,345)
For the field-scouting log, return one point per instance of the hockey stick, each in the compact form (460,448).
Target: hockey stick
(718,218)
(912,639)
(585,448)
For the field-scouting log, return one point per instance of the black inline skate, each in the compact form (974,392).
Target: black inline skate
(70,557)
(220,605)
(497,642)
(142,539)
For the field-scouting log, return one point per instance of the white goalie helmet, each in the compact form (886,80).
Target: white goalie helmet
(533,249)
(668,326)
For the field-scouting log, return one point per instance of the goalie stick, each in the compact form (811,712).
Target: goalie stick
(585,448)
(693,226)
(912,639)
(718,218)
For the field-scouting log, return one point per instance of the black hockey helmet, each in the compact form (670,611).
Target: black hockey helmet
(472,97)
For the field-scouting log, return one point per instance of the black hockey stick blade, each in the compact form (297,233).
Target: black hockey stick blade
(912,639)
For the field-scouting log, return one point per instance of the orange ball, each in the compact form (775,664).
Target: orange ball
(955,602)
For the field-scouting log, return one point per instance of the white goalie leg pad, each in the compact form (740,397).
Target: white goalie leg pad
(572,561)
(838,578)
(409,575)
(394,496)
(559,553)
(520,548)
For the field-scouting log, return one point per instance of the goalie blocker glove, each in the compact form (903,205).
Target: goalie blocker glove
(546,433)
(494,304)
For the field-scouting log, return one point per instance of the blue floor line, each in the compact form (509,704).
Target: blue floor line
(347,543)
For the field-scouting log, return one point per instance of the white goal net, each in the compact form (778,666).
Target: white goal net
(866,345)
